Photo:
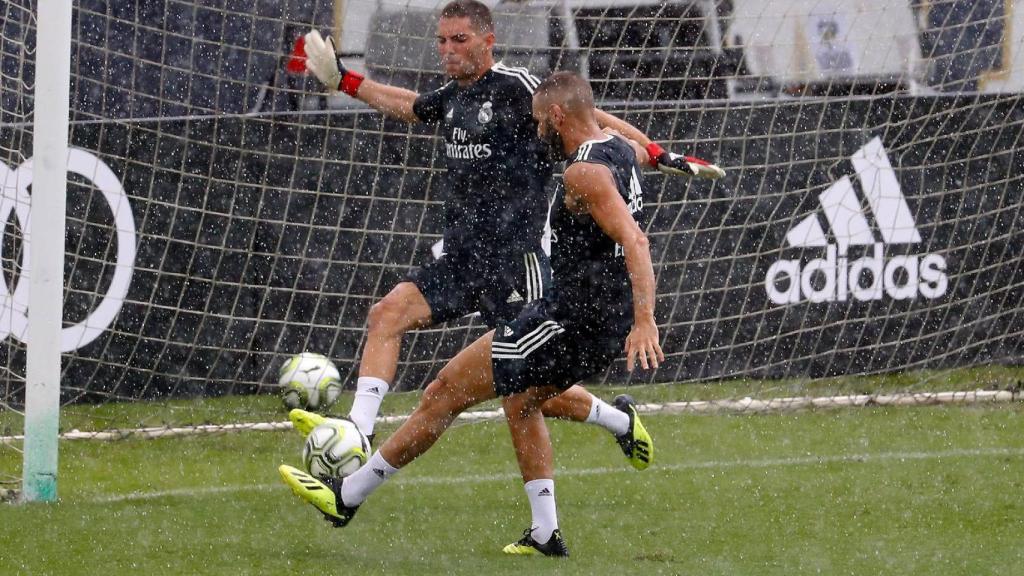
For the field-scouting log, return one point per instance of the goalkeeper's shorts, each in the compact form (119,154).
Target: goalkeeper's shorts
(498,289)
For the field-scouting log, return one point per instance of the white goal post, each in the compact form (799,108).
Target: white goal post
(46,217)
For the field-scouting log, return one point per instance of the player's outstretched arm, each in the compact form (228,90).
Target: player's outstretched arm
(607,121)
(592,187)
(666,162)
(323,62)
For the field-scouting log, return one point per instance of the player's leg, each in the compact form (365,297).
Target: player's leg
(465,381)
(529,433)
(579,405)
(536,464)
(403,309)
(435,293)
(620,418)
(535,348)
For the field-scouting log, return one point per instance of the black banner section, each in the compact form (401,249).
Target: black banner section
(855,236)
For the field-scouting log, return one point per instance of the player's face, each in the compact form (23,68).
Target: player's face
(465,51)
(546,115)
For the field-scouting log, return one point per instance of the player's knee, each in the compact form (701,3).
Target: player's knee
(514,410)
(387,316)
(442,397)
(520,406)
(433,393)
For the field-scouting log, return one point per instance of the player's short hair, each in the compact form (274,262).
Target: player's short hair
(569,89)
(478,13)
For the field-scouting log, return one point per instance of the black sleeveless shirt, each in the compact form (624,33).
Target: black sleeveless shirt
(591,280)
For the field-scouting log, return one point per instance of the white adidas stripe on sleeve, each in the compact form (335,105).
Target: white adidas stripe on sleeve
(529,80)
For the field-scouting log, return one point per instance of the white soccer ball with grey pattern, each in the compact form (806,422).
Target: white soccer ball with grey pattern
(309,381)
(335,448)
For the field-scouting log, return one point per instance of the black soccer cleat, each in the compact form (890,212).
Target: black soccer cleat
(636,443)
(527,546)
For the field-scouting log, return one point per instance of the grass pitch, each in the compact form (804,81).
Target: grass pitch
(870,491)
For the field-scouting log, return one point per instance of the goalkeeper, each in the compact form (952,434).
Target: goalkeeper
(604,303)
(494,212)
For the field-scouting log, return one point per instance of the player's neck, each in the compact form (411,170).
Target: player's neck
(484,68)
(576,133)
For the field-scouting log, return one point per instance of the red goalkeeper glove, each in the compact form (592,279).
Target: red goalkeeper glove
(673,164)
(324,63)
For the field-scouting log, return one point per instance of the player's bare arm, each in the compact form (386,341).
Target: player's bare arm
(323,62)
(391,100)
(630,132)
(666,162)
(591,188)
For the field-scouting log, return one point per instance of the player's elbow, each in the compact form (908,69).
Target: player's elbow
(634,246)
(640,242)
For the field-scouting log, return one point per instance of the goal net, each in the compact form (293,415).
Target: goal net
(225,213)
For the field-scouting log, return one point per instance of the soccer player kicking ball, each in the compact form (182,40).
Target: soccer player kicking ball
(605,296)
(494,212)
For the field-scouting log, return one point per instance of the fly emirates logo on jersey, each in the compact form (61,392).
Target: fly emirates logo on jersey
(457,148)
(864,272)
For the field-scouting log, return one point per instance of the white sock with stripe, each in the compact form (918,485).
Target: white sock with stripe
(541,493)
(370,393)
(607,416)
(364,481)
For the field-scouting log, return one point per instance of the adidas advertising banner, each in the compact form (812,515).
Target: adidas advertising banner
(873,236)
(866,235)
(869,275)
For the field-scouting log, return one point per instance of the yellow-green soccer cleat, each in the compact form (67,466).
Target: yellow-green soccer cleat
(305,421)
(324,494)
(527,546)
(636,443)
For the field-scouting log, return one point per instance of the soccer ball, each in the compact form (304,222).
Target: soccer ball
(309,381)
(335,448)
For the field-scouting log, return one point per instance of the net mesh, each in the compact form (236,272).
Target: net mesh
(869,222)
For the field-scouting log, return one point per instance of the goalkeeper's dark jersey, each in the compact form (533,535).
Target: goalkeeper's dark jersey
(591,280)
(495,203)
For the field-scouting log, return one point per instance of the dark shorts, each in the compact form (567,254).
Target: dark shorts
(496,288)
(539,348)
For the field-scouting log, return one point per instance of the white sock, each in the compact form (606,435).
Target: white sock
(542,505)
(608,417)
(364,481)
(370,393)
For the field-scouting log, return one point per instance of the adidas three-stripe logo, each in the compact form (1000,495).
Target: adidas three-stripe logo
(843,210)
(528,343)
(642,451)
(835,277)
(308,481)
